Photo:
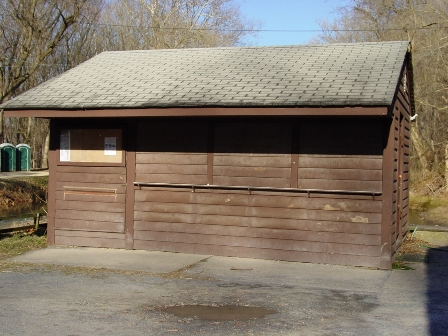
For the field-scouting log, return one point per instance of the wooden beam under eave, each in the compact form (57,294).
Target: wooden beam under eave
(203,112)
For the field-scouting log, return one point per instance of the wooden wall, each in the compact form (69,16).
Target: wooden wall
(90,206)
(401,161)
(181,155)
(336,156)
(86,199)
(340,154)
(252,155)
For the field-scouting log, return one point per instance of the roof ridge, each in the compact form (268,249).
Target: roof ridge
(324,45)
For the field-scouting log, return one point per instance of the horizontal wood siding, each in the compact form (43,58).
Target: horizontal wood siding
(340,155)
(268,253)
(325,228)
(252,154)
(172,152)
(171,167)
(286,227)
(89,238)
(90,206)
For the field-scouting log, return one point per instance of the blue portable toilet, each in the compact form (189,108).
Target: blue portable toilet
(23,157)
(8,157)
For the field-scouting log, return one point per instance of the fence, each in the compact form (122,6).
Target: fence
(22,222)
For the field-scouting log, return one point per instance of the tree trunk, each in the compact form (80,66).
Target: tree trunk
(29,127)
(45,151)
(2,137)
(419,147)
(446,166)
(34,159)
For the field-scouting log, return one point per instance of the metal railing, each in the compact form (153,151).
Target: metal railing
(193,187)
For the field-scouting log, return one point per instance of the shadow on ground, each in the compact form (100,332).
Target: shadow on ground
(437,290)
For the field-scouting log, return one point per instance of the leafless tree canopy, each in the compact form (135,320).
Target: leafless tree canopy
(425,24)
(30,30)
(171,24)
(43,38)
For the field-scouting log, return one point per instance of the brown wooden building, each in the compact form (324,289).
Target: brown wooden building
(294,153)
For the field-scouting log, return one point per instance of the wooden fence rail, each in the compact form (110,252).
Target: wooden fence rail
(22,222)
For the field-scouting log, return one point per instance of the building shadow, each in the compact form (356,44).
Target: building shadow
(437,290)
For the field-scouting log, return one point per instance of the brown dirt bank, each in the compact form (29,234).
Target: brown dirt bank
(17,191)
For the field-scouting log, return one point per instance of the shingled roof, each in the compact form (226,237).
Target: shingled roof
(306,75)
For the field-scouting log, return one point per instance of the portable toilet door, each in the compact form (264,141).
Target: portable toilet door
(23,157)
(8,157)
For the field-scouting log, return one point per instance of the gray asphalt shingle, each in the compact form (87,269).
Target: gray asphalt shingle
(316,75)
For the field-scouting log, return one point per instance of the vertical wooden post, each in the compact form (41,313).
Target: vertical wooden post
(294,155)
(36,221)
(210,151)
(131,144)
(52,163)
(388,190)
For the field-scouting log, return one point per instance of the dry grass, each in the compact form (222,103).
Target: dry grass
(430,183)
(412,249)
(412,245)
(13,244)
(423,203)
(430,208)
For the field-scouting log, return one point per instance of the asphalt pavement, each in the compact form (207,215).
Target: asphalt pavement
(88,291)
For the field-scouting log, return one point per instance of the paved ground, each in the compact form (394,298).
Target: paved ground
(83,291)
(51,292)
(8,175)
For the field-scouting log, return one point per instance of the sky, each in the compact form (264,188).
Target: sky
(288,15)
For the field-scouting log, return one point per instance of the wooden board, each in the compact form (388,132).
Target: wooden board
(293,226)
(171,168)
(143,222)
(89,225)
(93,145)
(272,254)
(261,243)
(271,200)
(90,205)
(254,232)
(90,239)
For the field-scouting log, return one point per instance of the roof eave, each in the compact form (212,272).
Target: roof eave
(201,112)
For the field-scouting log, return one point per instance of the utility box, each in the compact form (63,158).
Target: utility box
(23,157)
(8,157)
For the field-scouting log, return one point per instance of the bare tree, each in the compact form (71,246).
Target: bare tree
(40,39)
(425,24)
(171,24)
(30,30)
